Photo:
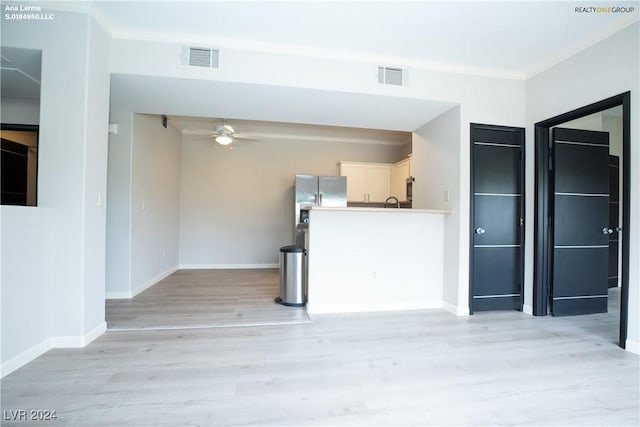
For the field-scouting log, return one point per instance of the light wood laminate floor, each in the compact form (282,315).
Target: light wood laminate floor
(205,298)
(404,368)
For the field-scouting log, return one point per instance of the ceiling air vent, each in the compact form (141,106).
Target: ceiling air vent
(391,76)
(200,57)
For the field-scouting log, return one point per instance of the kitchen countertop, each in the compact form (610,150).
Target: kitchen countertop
(387,210)
(403,204)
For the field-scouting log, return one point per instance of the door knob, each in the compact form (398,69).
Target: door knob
(480,230)
(607,230)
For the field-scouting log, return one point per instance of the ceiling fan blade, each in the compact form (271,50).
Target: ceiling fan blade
(199,132)
(201,138)
(243,138)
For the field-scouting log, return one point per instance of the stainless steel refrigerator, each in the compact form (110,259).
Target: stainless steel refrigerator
(312,191)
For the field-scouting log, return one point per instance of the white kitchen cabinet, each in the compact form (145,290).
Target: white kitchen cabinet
(378,182)
(367,182)
(356,181)
(399,174)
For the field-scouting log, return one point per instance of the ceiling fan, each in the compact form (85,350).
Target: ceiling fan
(224,134)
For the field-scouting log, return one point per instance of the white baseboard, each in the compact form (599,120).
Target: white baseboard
(319,309)
(78,341)
(25,357)
(226,266)
(118,295)
(632,346)
(527,309)
(95,333)
(153,281)
(454,309)
(136,291)
(164,275)
(73,341)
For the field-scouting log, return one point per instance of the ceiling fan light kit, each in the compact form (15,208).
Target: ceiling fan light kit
(222,134)
(224,139)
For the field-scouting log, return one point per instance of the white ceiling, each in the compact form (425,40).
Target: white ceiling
(514,38)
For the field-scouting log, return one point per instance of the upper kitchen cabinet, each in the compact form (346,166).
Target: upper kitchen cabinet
(400,171)
(367,182)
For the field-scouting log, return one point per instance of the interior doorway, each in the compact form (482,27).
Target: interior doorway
(497,218)
(609,121)
(545,197)
(19,168)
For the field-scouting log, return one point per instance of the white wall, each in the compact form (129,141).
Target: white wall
(591,122)
(71,174)
(601,122)
(95,174)
(436,156)
(607,68)
(438,150)
(118,242)
(237,205)
(28,240)
(159,58)
(155,201)
(613,125)
(144,203)
(20,111)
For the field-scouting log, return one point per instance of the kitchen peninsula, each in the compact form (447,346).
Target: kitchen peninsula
(374,259)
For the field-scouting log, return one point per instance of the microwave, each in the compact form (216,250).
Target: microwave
(410,188)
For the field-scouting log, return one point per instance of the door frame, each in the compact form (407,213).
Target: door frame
(522,132)
(542,251)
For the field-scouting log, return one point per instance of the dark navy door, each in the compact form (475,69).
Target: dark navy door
(580,223)
(497,217)
(614,219)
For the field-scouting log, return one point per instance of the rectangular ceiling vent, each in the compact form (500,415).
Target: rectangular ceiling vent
(391,76)
(205,57)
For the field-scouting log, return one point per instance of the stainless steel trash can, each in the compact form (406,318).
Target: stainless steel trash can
(292,276)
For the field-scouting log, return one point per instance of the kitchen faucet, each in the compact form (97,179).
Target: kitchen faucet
(386,202)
